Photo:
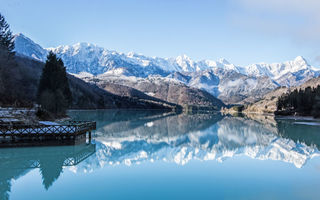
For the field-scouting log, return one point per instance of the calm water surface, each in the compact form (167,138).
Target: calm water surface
(154,155)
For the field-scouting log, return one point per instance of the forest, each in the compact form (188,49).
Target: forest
(304,102)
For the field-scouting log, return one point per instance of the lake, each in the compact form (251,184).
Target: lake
(156,155)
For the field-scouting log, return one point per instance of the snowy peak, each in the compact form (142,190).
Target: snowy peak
(90,58)
(78,48)
(26,47)
(22,37)
(185,63)
(300,60)
(224,61)
(297,64)
(298,69)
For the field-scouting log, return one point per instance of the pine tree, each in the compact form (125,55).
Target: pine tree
(6,37)
(8,66)
(316,104)
(280,105)
(54,94)
(303,102)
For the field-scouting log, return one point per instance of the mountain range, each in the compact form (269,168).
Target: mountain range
(221,79)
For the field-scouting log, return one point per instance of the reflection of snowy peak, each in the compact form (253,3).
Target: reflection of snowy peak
(214,141)
(252,79)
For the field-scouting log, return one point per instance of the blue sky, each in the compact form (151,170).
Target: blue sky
(242,31)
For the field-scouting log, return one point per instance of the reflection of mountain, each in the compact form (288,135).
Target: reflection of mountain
(105,117)
(158,127)
(16,162)
(181,138)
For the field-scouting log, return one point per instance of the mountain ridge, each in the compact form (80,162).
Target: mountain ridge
(181,63)
(231,83)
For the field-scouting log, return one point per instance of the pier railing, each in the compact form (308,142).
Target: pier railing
(71,128)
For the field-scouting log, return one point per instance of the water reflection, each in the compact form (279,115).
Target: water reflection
(16,162)
(182,137)
(132,137)
(299,133)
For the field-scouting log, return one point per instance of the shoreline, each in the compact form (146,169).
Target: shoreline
(276,117)
(292,117)
(11,114)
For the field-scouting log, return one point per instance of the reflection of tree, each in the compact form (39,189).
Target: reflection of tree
(5,187)
(287,129)
(16,162)
(50,170)
(310,135)
(5,180)
(10,169)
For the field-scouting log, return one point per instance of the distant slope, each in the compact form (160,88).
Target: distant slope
(268,104)
(166,89)
(228,85)
(125,91)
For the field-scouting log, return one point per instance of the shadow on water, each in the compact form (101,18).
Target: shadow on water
(16,162)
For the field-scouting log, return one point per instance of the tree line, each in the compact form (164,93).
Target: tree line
(301,102)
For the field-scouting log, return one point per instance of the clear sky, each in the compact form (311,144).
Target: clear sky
(242,31)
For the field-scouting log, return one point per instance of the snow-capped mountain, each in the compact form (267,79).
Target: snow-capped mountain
(289,73)
(220,78)
(85,57)
(228,85)
(26,47)
(276,70)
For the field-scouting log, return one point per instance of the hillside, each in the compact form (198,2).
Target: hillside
(165,89)
(268,104)
(125,91)
(20,79)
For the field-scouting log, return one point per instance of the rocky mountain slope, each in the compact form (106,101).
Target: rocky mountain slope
(231,83)
(168,90)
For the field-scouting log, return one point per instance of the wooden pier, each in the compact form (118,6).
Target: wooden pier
(66,133)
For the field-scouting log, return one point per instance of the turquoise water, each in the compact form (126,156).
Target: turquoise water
(154,155)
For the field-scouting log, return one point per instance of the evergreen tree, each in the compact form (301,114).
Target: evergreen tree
(316,104)
(54,94)
(6,37)
(280,104)
(8,66)
(304,102)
